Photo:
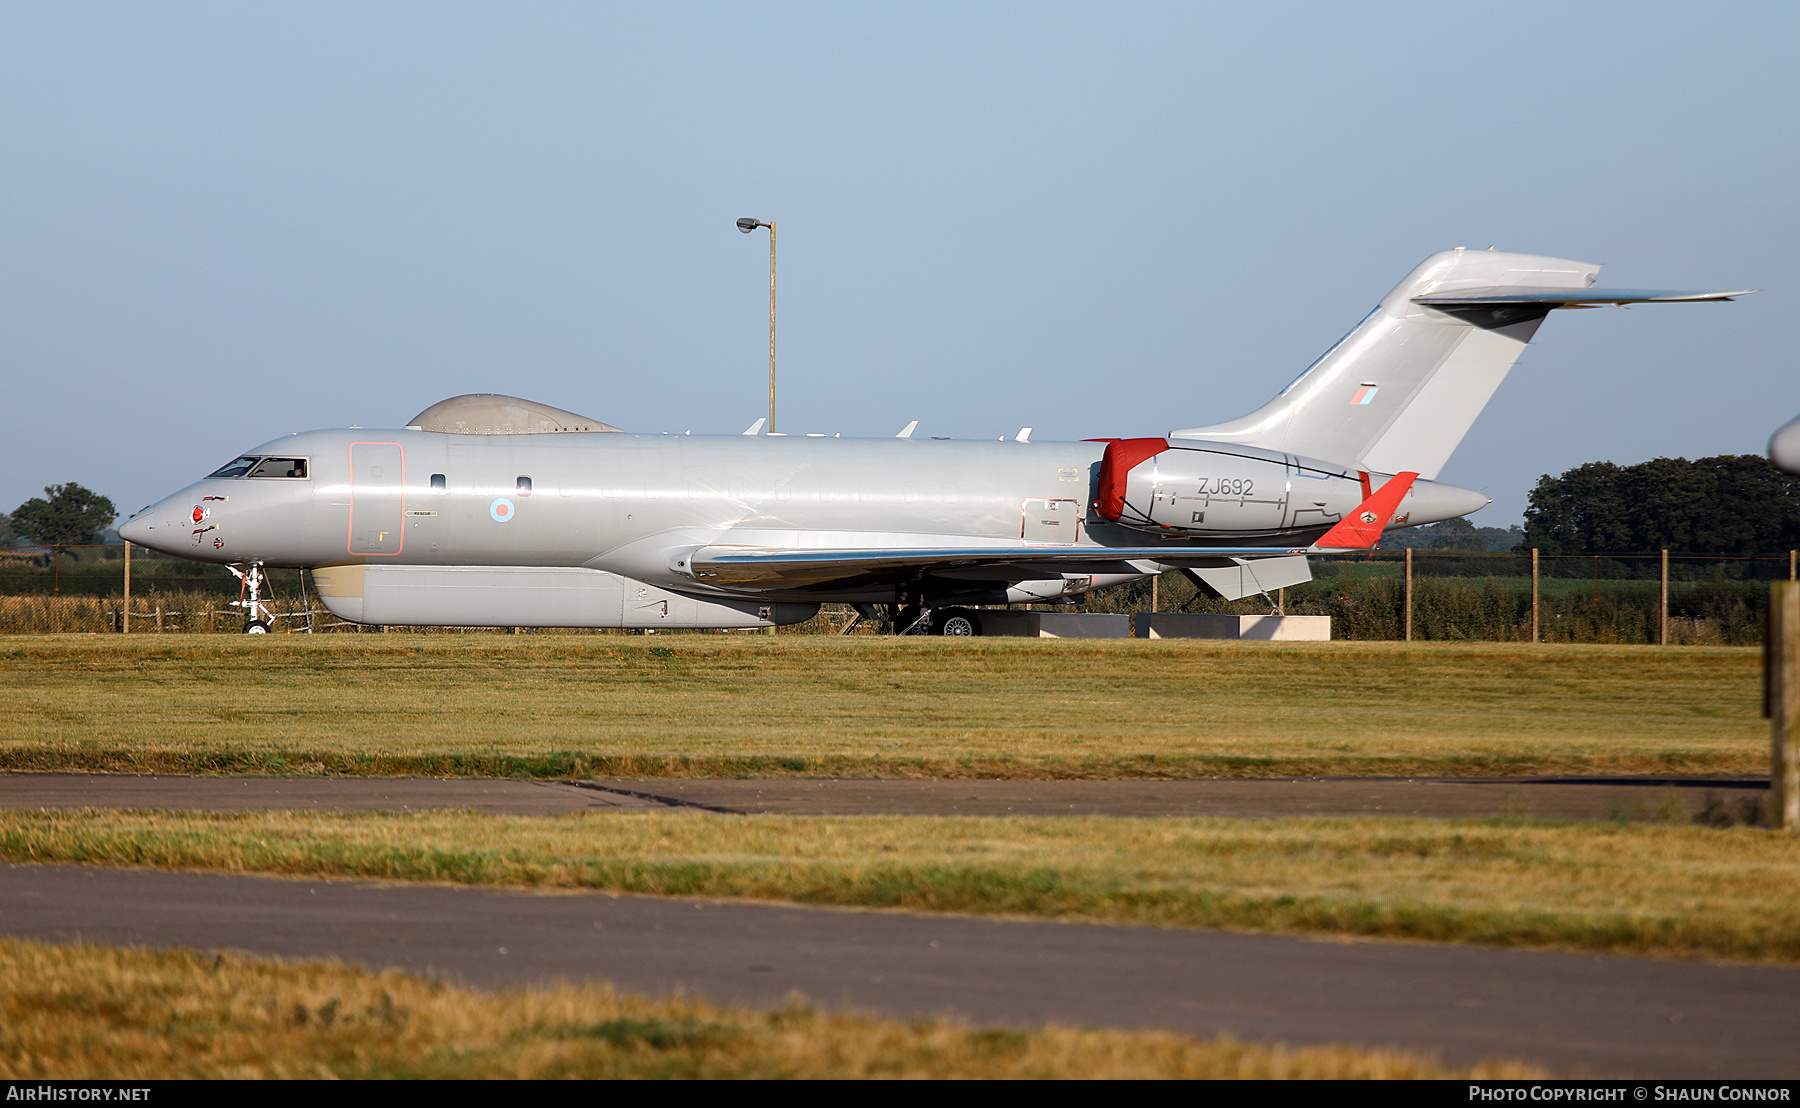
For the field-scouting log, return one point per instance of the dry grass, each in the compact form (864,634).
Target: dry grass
(753,705)
(1676,891)
(97,1013)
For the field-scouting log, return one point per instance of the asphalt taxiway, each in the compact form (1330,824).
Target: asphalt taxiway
(1575,1014)
(1581,798)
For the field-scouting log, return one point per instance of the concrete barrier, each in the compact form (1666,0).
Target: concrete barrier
(1053,625)
(1183,625)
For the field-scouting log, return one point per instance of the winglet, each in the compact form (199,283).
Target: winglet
(906,431)
(756,428)
(1362,528)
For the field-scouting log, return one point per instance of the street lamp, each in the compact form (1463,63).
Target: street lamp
(748,225)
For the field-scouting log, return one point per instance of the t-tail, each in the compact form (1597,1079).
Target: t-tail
(1401,390)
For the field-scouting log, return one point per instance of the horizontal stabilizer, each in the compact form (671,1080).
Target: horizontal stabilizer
(1567,298)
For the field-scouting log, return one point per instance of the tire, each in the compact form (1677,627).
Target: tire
(256,627)
(957,623)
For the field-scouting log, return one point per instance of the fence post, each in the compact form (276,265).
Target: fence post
(1664,608)
(1781,703)
(1534,594)
(1791,554)
(1409,594)
(159,619)
(1281,601)
(1153,583)
(126,618)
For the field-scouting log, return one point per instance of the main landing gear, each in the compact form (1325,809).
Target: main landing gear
(954,622)
(257,617)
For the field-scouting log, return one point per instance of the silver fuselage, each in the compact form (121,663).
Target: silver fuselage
(618,502)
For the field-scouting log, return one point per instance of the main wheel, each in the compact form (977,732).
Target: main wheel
(256,627)
(958,622)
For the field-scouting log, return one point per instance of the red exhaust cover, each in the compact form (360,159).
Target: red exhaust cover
(1122,456)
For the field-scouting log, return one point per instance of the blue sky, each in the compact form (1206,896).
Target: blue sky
(221,223)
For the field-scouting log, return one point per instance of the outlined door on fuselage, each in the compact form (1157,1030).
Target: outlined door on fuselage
(377,499)
(1053,522)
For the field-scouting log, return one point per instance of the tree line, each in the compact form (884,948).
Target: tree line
(1734,504)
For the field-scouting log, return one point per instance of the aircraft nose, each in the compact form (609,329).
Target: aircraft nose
(137,529)
(156,527)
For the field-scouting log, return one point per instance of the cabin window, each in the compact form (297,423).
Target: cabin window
(281,467)
(235,469)
(524,486)
(439,486)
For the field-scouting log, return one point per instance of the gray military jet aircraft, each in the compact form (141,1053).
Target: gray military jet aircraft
(488,510)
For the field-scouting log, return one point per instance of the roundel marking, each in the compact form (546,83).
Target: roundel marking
(1368,517)
(501,510)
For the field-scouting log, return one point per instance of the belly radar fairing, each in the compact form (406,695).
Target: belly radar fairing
(489,510)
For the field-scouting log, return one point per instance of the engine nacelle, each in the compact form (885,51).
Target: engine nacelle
(1209,490)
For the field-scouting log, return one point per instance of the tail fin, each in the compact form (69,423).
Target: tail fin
(1401,390)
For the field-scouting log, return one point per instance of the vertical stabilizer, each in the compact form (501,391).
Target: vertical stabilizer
(1401,389)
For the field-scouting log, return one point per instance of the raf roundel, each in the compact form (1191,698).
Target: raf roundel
(501,510)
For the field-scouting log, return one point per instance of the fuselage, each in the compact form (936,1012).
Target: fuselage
(618,501)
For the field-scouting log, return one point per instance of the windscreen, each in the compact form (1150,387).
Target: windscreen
(280,467)
(235,469)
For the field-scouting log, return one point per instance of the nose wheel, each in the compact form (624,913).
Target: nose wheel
(257,617)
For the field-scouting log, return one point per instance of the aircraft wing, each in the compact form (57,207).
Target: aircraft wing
(754,568)
(761,568)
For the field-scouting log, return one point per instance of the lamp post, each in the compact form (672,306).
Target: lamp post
(748,225)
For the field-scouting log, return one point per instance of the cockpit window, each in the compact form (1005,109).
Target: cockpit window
(235,469)
(281,467)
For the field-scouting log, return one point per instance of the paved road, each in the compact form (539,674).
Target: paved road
(1583,798)
(1576,1014)
(276,794)
(1556,798)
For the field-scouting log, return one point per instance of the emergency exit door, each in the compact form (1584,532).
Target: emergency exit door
(377,498)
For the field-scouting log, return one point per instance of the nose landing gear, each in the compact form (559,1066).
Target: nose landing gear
(256,611)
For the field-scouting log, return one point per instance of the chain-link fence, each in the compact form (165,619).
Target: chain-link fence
(1609,598)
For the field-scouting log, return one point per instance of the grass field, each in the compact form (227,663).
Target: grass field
(1646,889)
(93,1013)
(545,705)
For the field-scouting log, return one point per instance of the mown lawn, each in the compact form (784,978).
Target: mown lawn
(548,705)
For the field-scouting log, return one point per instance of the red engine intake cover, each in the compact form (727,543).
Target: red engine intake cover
(1122,456)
